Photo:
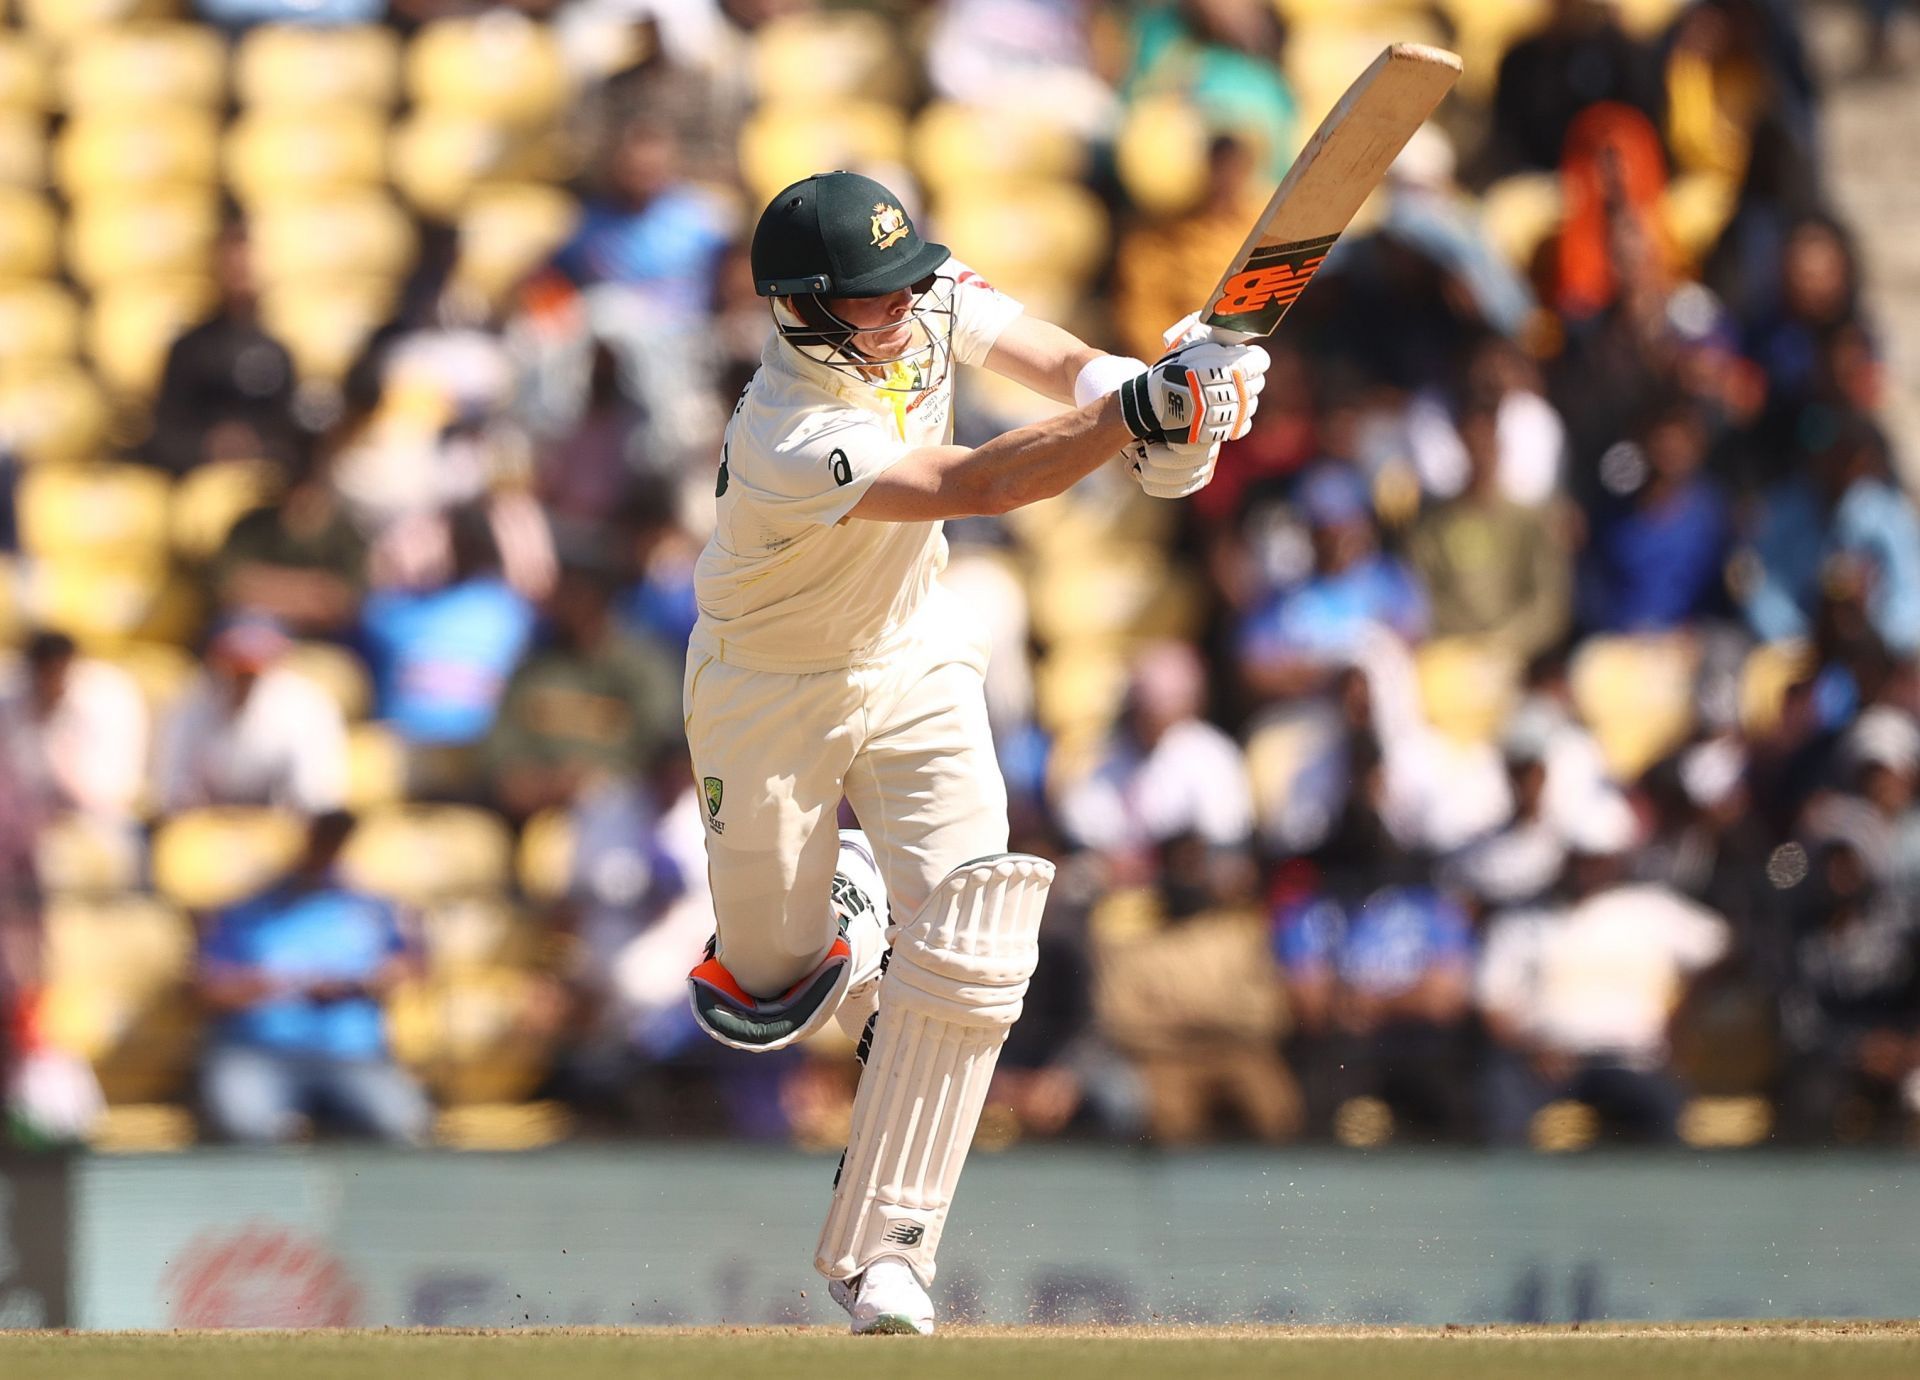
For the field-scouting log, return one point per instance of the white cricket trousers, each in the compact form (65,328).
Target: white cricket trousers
(904,739)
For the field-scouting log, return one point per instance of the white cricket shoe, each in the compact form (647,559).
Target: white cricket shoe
(885,1299)
(858,893)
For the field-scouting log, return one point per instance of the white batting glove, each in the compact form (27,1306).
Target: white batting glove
(1199,394)
(1170,471)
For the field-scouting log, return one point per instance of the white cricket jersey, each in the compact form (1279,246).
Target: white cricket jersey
(787,581)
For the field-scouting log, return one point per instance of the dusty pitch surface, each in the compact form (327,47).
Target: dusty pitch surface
(1749,1351)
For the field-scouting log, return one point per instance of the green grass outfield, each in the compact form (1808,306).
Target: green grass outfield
(1746,1351)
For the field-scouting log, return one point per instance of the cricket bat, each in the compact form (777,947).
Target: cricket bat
(1339,167)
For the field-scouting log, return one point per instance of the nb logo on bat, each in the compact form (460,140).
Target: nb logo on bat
(1261,287)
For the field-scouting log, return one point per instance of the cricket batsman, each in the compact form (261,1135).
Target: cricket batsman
(827,662)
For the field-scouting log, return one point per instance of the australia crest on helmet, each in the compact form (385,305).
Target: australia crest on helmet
(889,225)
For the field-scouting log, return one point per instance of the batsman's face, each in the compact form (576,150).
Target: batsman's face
(881,325)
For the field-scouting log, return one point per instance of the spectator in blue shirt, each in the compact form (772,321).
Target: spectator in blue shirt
(1655,559)
(440,658)
(651,230)
(1850,523)
(1301,638)
(294,978)
(645,258)
(240,13)
(1378,966)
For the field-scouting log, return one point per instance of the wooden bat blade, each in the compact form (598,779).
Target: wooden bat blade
(1339,167)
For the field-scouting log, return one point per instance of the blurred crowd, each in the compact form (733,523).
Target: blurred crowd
(1518,742)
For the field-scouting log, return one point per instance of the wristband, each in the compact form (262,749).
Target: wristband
(1136,409)
(1102,375)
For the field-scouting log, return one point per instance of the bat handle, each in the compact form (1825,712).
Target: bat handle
(1191,329)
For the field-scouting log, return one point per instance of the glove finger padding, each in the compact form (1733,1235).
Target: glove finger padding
(1200,393)
(1169,471)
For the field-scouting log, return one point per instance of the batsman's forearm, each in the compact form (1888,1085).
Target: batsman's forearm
(1048,457)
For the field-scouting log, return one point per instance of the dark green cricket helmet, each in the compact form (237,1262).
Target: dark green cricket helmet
(838,234)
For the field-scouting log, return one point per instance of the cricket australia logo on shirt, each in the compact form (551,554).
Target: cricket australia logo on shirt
(889,225)
(714,788)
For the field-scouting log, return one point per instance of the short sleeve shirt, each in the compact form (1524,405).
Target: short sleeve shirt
(330,933)
(787,582)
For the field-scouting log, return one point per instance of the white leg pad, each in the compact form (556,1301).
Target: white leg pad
(953,988)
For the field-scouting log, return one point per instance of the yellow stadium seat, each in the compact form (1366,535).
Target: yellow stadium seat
(25,74)
(1563,1127)
(52,411)
(1726,1123)
(305,153)
(1277,752)
(837,55)
(1466,687)
(470,933)
(82,854)
(1321,60)
(210,858)
(1036,235)
(60,20)
(290,65)
(1161,154)
(38,321)
(1518,213)
(101,602)
(210,498)
(507,231)
(134,322)
(142,1128)
(501,66)
(325,324)
(162,670)
(29,235)
(1636,694)
(157,66)
(1115,592)
(1483,31)
(23,149)
(544,862)
(169,233)
(1770,670)
(117,511)
(376,766)
(118,992)
(1647,19)
(1363,1123)
(351,235)
(503,1126)
(1696,209)
(959,148)
(1079,688)
(1092,517)
(123,149)
(782,143)
(474,1036)
(1335,14)
(421,853)
(440,157)
(335,670)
